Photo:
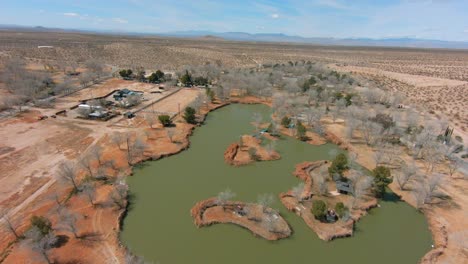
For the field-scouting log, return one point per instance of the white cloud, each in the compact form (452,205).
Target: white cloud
(333,4)
(465,31)
(275,16)
(120,20)
(71,14)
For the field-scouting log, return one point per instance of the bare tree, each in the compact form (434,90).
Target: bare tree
(224,196)
(118,138)
(265,200)
(370,131)
(407,174)
(320,182)
(96,152)
(40,243)
(119,194)
(151,120)
(453,164)
(68,222)
(434,183)
(339,106)
(297,191)
(270,147)
(197,102)
(135,148)
(86,162)
(85,79)
(96,69)
(360,184)
(170,134)
(257,121)
(133,259)
(9,223)
(89,191)
(67,172)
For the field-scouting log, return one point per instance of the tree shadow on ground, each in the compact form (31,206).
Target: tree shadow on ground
(390,196)
(61,241)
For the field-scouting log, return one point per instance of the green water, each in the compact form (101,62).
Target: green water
(160,228)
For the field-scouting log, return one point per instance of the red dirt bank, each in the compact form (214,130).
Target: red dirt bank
(239,155)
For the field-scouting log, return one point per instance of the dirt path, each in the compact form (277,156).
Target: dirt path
(104,247)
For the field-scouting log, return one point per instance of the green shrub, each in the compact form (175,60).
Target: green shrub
(43,224)
(301,131)
(340,209)
(285,121)
(339,165)
(189,115)
(382,178)
(165,120)
(319,209)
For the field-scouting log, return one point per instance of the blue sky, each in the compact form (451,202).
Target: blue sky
(429,19)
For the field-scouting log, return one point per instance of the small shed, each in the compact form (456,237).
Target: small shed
(344,187)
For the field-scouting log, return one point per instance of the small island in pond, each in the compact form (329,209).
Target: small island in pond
(261,220)
(329,214)
(248,150)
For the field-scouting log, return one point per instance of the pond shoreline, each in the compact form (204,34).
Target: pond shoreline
(329,136)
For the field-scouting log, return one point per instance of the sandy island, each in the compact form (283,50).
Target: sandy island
(262,221)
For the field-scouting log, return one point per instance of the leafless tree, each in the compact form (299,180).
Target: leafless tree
(453,164)
(40,243)
(133,259)
(96,69)
(9,223)
(119,193)
(407,174)
(224,196)
(265,200)
(297,191)
(257,121)
(197,102)
(118,138)
(85,79)
(151,120)
(370,131)
(68,173)
(86,162)
(170,134)
(135,148)
(360,184)
(434,183)
(96,152)
(68,222)
(89,191)
(312,96)
(320,182)
(270,147)
(339,106)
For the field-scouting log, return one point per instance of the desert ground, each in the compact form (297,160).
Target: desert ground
(32,150)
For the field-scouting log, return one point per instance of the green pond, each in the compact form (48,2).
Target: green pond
(159,226)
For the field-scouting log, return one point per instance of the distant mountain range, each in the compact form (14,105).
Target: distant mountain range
(385,42)
(269,37)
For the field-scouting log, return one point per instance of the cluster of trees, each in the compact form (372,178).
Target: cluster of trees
(42,236)
(26,86)
(139,74)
